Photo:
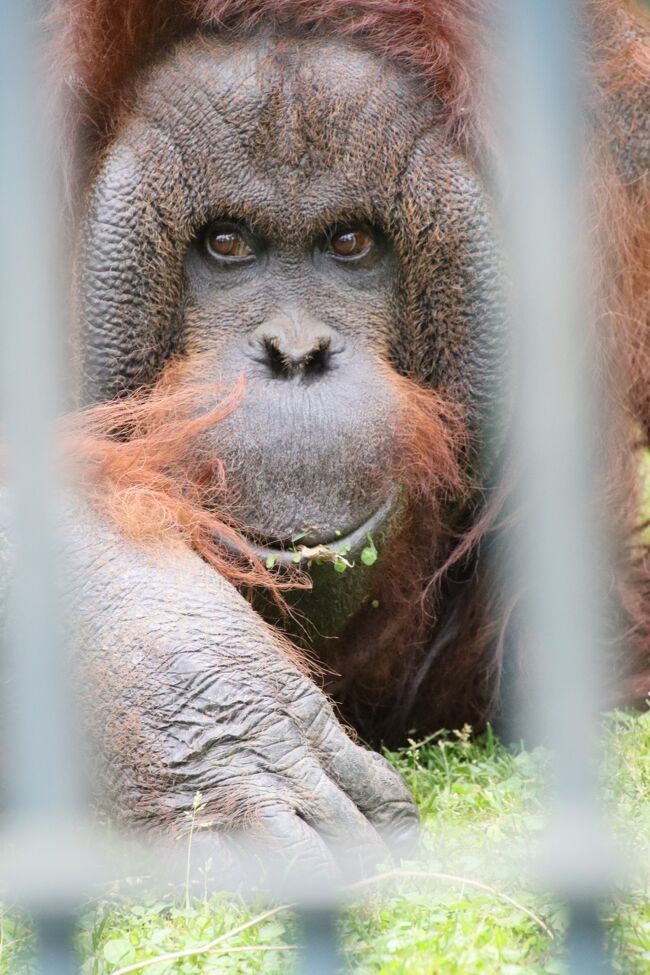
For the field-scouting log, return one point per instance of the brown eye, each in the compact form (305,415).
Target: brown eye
(227,243)
(350,243)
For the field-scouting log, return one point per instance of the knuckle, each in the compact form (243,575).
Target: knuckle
(315,713)
(399,810)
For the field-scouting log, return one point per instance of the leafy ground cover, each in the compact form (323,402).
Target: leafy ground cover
(473,796)
(473,912)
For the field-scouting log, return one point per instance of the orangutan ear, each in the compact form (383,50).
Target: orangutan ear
(627,97)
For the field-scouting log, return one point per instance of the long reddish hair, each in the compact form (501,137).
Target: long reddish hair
(140,461)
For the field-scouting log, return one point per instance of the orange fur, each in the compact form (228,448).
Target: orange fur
(139,466)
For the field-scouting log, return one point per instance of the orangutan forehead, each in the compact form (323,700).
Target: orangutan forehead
(276,121)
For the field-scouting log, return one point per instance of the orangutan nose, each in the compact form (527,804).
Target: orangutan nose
(295,345)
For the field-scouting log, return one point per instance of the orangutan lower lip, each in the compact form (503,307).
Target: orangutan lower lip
(352,543)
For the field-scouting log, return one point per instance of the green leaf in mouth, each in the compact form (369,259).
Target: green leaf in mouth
(369,553)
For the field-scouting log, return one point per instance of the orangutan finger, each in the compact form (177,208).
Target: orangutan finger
(376,788)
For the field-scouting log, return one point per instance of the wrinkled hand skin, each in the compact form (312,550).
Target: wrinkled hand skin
(188,690)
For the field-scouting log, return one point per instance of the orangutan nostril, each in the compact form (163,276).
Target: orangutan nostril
(286,359)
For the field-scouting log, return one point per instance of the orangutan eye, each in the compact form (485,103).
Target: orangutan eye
(227,242)
(351,243)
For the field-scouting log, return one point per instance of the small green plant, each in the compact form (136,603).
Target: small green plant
(369,553)
(334,552)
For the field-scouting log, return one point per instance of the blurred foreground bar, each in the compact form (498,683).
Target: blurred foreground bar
(560,551)
(41,789)
(318,942)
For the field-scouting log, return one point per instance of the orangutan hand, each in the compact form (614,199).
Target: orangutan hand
(188,691)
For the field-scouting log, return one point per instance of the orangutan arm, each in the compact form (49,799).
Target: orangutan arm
(187,690)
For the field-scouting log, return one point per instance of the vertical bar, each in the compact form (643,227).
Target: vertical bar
(55,945)
(318,942)
(560,540)
(41,787)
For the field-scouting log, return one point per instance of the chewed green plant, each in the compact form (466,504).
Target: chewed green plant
(369,553)
(334,552)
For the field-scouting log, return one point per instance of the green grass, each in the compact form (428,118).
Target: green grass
(470,793)
(475,797)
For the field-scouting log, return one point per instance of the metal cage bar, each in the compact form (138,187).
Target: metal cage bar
(42,787)
(560,551)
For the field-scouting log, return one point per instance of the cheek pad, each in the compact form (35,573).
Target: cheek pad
(453,289)
(138,224)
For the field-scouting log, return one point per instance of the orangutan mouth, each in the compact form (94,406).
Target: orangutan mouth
(301,550)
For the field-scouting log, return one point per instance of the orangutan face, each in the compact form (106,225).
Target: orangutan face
(267,211)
